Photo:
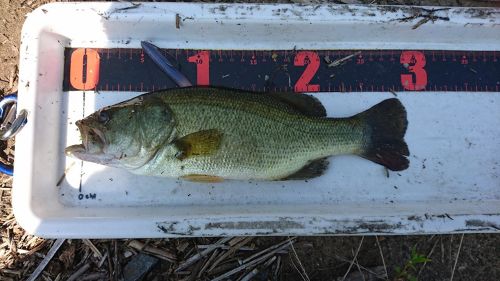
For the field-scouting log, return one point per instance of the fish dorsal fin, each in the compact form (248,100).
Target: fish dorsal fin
(204,142)
(305,104)
(311,170)
(293,102)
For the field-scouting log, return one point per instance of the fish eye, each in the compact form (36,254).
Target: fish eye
(103,117)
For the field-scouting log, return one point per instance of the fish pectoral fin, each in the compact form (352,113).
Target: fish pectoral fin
(204,142)
(202,178)
(311,170)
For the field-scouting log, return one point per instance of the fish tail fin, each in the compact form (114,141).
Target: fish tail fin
(386,126)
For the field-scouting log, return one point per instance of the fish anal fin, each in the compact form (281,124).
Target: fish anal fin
(202,178)
(204,142)
(311,170)
(305,104)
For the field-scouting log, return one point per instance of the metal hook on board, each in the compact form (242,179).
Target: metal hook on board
(11,123)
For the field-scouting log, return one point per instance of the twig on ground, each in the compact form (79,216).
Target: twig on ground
(48,257)
(18,273)
(249,275)
(195,269)
(103,259)
(92,247)
(382,256)
(208,262)
(110,266)
(116,264)
(267,250)
(238,244)
(296,268)
(359,268)
(277,268)
(12,77)
(12,243)
(236,240)
(305,277)
(362,267)
(183,246)
(225,247)
(79,272)
(257,259)
(256,271)
(428,256)
(456,258)
(160,253)
(201,254)
(378,271)
(442,249)
(38,244)
(93,276)
(355,256)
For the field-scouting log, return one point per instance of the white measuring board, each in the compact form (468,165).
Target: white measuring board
(452,184)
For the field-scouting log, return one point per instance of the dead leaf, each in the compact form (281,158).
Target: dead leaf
(67,257)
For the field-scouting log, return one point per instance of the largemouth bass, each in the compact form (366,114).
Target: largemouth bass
(210,134)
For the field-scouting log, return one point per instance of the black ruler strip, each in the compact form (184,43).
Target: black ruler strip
(287,70)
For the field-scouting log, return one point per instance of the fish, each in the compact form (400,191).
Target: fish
(211,134)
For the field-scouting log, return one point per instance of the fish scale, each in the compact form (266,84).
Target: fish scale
(260,141)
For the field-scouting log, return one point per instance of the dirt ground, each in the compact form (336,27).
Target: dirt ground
(461,257)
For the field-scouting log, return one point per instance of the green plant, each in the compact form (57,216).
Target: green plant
(409,269)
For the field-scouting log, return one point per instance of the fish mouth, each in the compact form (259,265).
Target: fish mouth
(75,150)
(93,137)
(93,142)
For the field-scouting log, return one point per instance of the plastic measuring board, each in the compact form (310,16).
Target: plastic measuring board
(445,72)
